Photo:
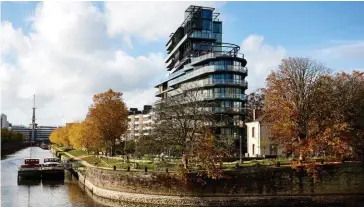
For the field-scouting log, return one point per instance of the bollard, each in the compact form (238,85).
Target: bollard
(166,170)
(128,168)
(278,164)
(114,167)
(237,165)
(145,169)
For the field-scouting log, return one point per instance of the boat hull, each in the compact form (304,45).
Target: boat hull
(30,173)
(55,173)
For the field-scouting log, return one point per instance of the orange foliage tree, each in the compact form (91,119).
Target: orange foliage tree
(59,136)
(349,94)
(301,104)
(108,114)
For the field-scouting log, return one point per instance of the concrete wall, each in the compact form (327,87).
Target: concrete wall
(279,186)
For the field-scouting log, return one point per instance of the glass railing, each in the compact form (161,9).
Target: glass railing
(208,69)
(215,54)
(199,34)
(225,95)
(209,82)
(226,109)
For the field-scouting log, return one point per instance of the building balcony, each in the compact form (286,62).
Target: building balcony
(228,110)
(207,70)
(232,110)
(224,95)
(213,82)
(203,35)
(212,55)
(175,49)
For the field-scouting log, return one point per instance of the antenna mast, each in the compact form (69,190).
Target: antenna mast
(33,124)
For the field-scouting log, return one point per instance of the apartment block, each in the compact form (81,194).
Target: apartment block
(197,57)
(139,122)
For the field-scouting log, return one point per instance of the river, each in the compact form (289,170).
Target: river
(38,194)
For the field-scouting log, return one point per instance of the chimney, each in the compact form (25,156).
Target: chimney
(253,114)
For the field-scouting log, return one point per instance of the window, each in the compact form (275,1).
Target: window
(206,25)
(253,148)
(217,27)
(206,14)
(253,130)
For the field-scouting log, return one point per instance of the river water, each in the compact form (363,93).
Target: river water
(39,193)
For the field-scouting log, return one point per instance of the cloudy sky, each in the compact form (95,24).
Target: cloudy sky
(66,52)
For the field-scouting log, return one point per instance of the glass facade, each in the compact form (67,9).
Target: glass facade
(217,72)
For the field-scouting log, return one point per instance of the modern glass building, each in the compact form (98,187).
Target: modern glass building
(198,57)
(42,133)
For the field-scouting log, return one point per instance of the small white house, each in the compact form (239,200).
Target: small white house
(259,144)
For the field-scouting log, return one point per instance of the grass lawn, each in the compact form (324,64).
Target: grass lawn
(77,152)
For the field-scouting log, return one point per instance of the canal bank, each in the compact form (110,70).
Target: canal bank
(342,184)
(8,148)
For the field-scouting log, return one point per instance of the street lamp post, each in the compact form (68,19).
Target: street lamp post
(240,155)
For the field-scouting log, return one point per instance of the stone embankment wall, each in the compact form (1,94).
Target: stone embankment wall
(278,185)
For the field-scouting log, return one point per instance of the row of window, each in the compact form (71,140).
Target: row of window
(231,104)
(226,77)
(225,62)
(223,90)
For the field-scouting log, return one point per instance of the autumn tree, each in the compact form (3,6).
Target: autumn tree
(59,136)
(76,134)
(109,114)
(291,104)
(349,94)
(92,140)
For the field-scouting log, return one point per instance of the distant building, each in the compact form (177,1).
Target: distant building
(26,131)
(4,121)
(258,139)
(139,122)
(42,133)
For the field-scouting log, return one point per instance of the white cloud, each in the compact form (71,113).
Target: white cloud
(262,58)
(148,20)
(64,61)
(12,40)
(352,50)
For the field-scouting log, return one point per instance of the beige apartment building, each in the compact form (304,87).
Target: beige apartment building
(139,122)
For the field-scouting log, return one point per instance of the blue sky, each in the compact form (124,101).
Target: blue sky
(77,49)
(300,27)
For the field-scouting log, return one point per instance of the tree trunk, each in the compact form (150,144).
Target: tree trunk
(113,148)
(184,160)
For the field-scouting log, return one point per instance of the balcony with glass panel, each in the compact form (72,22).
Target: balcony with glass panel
(212,96)
(232,110)
(215,50)
(212,82)
(203,35)
(208,69)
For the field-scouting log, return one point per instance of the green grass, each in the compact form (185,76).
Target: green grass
(95,161)
(77,152)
